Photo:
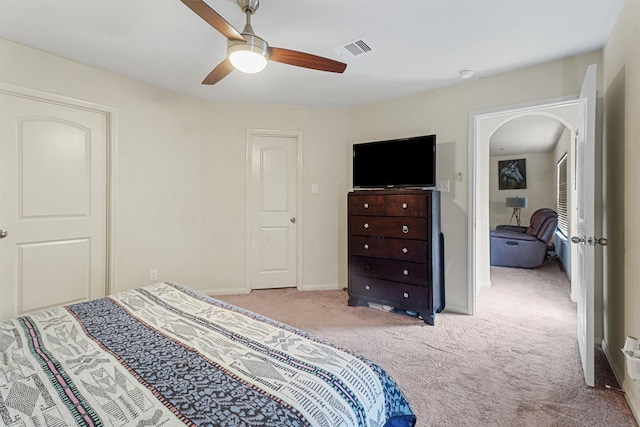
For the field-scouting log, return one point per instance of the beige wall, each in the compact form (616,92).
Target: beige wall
(180,175)
(621,152)
(540,191)
(157,210)
(224,146)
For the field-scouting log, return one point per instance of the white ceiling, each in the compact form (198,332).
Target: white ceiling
(420,44)
(527,134)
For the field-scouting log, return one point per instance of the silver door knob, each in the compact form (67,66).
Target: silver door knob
(601,241)
(3,234)
(591,241)
(293,219)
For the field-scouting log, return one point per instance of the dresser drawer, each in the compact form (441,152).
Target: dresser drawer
(399,227)
(409,205)
(396,294)
(400,249)
(400,271)
(366,205)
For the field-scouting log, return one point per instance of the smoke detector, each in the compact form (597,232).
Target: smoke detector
(467,73)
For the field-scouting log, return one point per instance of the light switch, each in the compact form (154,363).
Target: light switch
(314,188)
(444,186)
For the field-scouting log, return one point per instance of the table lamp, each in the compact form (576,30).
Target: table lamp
(517,203)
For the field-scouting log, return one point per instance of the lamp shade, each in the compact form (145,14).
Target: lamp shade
(517,202)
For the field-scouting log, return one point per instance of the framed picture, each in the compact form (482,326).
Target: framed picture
(512,174)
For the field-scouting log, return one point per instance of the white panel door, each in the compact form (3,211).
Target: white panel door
(584,229)
(53,193)
(272,211)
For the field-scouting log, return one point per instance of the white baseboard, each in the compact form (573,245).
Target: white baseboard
(632,394)
(616,371)
(239,291)
(631,387)
(321,287)
(456,309)
(224,291)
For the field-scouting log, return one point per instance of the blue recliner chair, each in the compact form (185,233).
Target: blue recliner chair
(524,247)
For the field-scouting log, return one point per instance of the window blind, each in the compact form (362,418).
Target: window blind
(561,192)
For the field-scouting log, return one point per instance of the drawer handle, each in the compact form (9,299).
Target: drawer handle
(367,287)
(405,229)
(406,295)
(366,225)
(404,206)
(366,205)
(405,250)
(405,272)
(366,246)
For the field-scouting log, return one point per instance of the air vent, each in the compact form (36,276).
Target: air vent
(355,48)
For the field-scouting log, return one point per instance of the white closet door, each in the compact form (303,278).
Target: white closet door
(53,187)
(273,203)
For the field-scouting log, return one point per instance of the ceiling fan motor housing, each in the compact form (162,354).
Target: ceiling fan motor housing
(249,5)
(253,43)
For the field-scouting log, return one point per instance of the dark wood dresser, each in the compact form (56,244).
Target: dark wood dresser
(396,251)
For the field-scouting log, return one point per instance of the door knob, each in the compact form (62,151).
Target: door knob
(293,219)
(601,241)
(3,234)
(591,241)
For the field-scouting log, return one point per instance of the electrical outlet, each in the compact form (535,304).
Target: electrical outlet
(153,274)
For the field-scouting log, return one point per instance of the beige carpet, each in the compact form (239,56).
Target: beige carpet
(514,364)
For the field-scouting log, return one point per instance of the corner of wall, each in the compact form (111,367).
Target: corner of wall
(631,387)
(322,287)
(615,368)
(632,394)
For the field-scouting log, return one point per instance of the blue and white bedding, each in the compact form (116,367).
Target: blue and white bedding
(165,355)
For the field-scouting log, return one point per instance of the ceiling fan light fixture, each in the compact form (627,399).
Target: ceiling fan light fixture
(248,61)
(249,53)
(250,56)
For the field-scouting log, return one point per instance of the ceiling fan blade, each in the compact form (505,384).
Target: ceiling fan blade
(306,60)
(213,18)
(220,72)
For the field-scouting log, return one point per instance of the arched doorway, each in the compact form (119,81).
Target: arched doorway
(483,126)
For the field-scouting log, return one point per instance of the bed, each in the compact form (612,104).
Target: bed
(166,355)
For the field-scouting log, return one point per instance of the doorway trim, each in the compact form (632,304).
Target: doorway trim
(110,114)
(478,173)
(248,195)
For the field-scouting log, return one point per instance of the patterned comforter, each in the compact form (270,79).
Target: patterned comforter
(165,355)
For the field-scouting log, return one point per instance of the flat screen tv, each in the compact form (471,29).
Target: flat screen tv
(397,163)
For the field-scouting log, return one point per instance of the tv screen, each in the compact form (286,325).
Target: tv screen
(406,162)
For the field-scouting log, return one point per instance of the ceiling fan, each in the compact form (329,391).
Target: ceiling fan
(249,53)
